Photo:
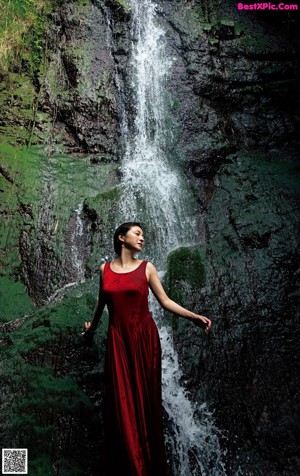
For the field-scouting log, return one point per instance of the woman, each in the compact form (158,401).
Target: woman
(133,410)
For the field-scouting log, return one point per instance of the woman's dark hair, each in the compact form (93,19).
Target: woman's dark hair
(122,230)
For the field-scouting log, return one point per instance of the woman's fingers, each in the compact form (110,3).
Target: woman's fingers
(208,325)
(87,325)
(203,322)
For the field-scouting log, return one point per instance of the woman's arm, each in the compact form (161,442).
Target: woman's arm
(160,294)
(90,327)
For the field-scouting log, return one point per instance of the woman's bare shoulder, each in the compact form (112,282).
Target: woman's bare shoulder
(150,266)
(102,266)
(150,270)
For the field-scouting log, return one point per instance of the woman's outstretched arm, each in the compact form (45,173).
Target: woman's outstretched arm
(160,294)
(90,327)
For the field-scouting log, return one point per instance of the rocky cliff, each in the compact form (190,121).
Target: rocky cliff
(234,108)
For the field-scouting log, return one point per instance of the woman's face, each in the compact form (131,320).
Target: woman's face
(134,239)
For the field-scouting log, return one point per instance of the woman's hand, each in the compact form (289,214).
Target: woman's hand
(88,330)
(202,321)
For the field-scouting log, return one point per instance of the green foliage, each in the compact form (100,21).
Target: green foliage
(20,194)
(39,397)
(18,186)
(22,31)
(14,300)
(42,399)
(51,323)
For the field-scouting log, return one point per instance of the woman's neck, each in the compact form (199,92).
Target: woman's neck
(125,259)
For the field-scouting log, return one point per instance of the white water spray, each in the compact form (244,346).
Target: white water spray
(151,187)
(154,193)
(76,244)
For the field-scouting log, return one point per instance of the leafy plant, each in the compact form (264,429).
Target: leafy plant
(22,30)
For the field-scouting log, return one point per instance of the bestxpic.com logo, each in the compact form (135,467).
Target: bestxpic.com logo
(267,6)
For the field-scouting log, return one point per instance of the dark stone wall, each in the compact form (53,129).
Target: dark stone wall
(238,104)
(79,83)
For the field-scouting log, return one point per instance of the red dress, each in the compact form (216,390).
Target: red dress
(133,406)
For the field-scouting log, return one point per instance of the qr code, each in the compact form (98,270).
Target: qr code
(14,461)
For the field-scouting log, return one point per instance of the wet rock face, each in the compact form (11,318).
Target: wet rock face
(79,86)
(234,88)
(233,83)
(248,366)
(54,375)
(252,281)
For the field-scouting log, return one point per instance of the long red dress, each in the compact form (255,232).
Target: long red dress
(133,405)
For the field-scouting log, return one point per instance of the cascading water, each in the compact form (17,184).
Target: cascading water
(155,194)
(76,244)
(151,187)
(76,253)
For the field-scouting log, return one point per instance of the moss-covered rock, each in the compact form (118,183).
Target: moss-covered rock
(126,4)
(185,267)
(22,30)
(50,373)
(250,294)
(78,81)
(14,298)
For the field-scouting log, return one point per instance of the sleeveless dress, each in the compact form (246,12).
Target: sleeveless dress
(133,404)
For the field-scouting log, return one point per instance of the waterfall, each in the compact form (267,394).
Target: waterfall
(151,187)
(76,252)
(154,193)
(76,245)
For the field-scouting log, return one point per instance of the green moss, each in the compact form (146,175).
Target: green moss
(227,22)
(32,185)
(53,321)
(22,30)
(41,466)
(175,104)
(189,21)
(185,266)
(17,99)
(55,393)
(82,4)
(245,191)
(126,4)
(85,84)
(103,202)
(40,401)
(186,275)
(20,194)
(207,26)
(38,398)
(197,12)
(14,300)
(112,194)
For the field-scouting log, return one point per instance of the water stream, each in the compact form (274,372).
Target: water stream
(154,193)
(76,244)
(152,190)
